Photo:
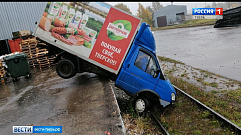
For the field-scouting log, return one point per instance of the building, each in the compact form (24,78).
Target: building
(169,15)
(18,16)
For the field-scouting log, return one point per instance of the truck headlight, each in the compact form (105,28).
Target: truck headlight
(173,97)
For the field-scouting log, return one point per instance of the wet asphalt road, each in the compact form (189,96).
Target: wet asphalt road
(82,105)
(217,50)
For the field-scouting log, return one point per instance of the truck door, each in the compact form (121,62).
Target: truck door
(139,74)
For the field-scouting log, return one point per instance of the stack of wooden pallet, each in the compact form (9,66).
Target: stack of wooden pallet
(37,57)
(2,71)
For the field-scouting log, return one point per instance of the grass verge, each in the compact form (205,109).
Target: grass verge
(189,23)
(225,102)
(185,118)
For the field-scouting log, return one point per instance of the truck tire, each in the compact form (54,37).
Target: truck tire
(66,69)
(142,105)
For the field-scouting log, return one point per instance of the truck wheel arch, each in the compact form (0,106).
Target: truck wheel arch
(151,96)
(66,55)
(148,93)
(59,56)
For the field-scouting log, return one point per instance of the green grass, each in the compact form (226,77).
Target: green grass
(189,23)
(206,83)
(139,125)
(169,60)
(214,84)
(205,75)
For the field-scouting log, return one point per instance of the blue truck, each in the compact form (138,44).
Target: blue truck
(123,49)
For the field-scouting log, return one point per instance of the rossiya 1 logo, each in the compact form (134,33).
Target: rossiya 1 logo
(119,29)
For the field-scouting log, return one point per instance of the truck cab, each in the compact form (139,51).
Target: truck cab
(141,75)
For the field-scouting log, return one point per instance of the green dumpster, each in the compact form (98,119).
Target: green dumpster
(17,65)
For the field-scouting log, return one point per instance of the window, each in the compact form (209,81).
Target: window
(142,60)
(145,62)
(151,66)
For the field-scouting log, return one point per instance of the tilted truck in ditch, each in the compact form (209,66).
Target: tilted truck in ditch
(98,38)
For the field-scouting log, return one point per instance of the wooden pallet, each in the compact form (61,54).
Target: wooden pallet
(2,80)
(37,57)
(43,62)
(30,40)
(2,75)
(2,72)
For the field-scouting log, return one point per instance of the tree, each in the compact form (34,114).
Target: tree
(149,9)
(208,6)
(144,14)
(86,3)
(233,5)
(156,6)
(214,5)
(123,7)
(226,5)
(219,5)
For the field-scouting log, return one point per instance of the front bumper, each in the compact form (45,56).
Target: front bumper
(166,103)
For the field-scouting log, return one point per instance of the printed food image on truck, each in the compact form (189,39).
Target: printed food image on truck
(72,25)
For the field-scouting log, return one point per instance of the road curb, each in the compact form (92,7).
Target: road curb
(118,109)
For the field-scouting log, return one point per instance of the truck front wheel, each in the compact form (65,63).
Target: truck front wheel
(142,105)
(66,69)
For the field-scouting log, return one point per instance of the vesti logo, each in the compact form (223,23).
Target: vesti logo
(37,129)
(119,29)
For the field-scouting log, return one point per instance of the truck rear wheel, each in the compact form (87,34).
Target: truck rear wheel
(66,69)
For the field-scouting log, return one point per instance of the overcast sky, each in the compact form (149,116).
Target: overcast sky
(133,6)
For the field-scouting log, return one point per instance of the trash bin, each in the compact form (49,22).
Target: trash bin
(17,65)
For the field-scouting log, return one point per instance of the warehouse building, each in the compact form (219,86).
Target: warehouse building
(169,15)
(18,16)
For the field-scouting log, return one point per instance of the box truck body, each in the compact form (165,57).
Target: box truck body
(105,40)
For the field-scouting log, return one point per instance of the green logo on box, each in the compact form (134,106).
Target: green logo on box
(119,29)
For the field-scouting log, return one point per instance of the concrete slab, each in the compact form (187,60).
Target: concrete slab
(82,105)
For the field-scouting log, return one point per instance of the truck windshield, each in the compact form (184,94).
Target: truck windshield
(162,76)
